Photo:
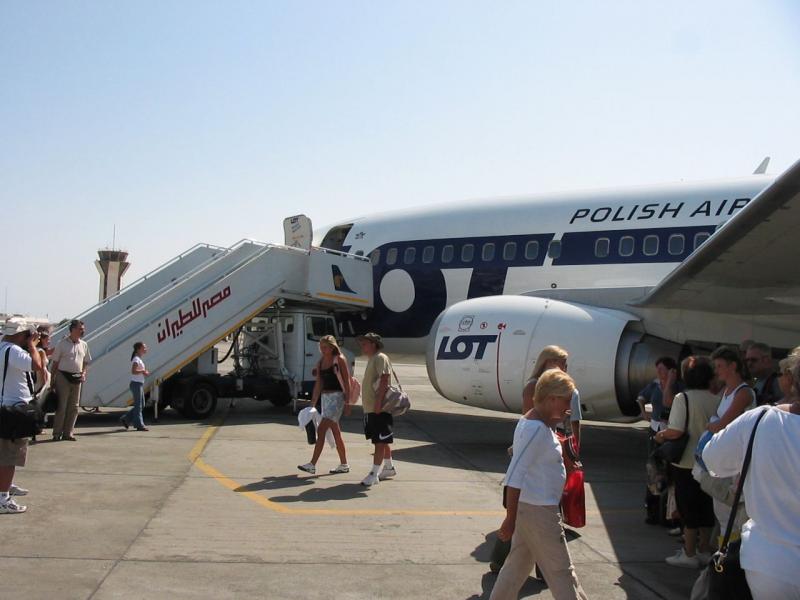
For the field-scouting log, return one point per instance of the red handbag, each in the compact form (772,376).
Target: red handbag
(573,500)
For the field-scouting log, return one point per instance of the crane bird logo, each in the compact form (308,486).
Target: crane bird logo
(339,283)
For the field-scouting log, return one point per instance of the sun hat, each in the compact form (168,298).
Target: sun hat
(372,337)
(16,325)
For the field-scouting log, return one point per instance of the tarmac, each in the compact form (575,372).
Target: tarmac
(218,509)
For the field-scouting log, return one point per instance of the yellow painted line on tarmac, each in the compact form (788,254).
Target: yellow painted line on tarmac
(195,454)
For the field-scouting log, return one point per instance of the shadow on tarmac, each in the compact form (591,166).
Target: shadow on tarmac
(277,483)
(344,491)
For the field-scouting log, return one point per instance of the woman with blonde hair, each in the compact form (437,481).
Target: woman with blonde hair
(332,387)
(535,481)
(553,357)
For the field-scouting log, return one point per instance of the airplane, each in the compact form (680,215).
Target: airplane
(616,277)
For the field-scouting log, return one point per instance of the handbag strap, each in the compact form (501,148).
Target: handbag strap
(686,422)
(335,367)
(397,379)
(5,372)
(723,550)
(513,466)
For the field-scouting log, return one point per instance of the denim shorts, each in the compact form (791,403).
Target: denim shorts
(332,405)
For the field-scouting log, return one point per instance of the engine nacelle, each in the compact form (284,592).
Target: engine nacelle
(481,352)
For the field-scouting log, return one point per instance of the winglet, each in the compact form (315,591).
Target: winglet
(762,168)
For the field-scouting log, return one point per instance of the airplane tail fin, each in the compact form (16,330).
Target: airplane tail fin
(762,168)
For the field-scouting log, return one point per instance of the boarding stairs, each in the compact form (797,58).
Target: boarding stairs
(190,312)
(132,294)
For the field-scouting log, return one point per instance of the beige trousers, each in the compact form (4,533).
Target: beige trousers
(69,397)
(538,539)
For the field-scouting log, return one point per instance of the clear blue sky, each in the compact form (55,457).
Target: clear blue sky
(183,122)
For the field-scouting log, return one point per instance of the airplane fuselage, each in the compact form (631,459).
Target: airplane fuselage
(426,260)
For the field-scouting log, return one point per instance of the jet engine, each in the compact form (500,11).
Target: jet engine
(482,351)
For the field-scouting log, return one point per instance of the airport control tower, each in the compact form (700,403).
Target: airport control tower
(111,265)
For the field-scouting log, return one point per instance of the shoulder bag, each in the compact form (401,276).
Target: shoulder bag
(724,578)
(396,402)
(355,386)
(671,451)
(20,420)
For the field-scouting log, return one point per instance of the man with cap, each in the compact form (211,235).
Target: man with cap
(18,357)
(71,359)
(377,424)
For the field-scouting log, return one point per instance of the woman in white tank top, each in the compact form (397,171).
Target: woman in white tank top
(737,397)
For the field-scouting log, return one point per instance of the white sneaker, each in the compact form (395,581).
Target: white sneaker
(681,560)
(342,468)
(308,468)
(15,490)
(387,473)
(9,507)
(370,480)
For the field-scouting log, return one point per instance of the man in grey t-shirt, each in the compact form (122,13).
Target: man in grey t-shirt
(71,360)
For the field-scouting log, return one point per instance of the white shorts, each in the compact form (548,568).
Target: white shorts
(332,406)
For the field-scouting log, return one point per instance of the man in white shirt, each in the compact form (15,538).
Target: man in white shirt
(71,359)
(18,357)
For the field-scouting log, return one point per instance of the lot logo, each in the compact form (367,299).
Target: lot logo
(462,346)
(466,323)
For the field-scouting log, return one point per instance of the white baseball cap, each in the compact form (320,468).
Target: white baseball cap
(16,325)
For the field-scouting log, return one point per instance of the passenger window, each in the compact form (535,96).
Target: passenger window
(602,247)
(554,249)
(532,250)
(316,327)
(448,252)
(626,245)
(427,254)
(488,252)
(467,252)
(510,251)
(676,244)
(699,238)
(650,245)
(409,255)
(391,256)
(375,256)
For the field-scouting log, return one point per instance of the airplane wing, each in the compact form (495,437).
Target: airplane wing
(751,265)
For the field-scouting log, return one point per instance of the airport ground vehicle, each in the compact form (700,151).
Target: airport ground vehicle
(274,300)
(272,358)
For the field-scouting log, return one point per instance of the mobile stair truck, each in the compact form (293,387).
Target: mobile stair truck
(273,302)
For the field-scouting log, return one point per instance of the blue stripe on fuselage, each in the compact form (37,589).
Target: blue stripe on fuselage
(488,276)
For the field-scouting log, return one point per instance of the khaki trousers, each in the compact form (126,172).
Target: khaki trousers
(69,397)
(538,539)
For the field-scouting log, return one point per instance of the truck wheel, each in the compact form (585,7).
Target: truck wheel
(280,400)
(202,401)
(280,396)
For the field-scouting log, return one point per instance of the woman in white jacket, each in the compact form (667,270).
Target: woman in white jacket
(770,553)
